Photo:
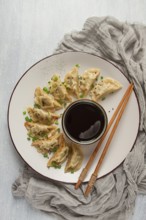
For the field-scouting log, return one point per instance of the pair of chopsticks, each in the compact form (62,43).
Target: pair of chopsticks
(117,115)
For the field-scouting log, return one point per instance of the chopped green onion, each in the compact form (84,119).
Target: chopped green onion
(30,137)
(77,65)
(55,78)
(61,101)
(43,135)
(37,106)
(24,113)
(66,86)
(34,139)
(103,98)
(58,129)
(72,170)
(45,89)
(54,149)
(45,155)
(56,123)
(65,104)
(55,165)
(81,95)
(28,119)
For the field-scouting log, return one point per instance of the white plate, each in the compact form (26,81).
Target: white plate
(38,75)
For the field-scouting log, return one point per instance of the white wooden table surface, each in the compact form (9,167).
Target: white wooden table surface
(29,31)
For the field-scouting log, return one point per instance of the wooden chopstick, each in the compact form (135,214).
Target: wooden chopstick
(95,173)
(93,155)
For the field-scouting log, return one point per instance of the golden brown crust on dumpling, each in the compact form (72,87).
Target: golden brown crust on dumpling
(75,159)
(42,117)
(105,87)
(45,101)
(87,80)
(39,130)
(71,81)
(58,90)
(47,144)
(60,156)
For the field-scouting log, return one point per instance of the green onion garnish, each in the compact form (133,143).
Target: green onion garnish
(34,139)
(103,98)
(45,155)
(54,149)
(28,119)
(37,106)
(55,165)
(81,95)
(55,78)
(72,170)
(61,101)
(45,89)
(43,134)
(65,104)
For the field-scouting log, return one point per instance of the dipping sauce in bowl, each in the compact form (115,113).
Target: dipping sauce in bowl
(84,121)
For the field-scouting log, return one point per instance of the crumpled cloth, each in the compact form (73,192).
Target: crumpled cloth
(113,196)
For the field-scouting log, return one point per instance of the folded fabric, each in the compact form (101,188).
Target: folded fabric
(114,195)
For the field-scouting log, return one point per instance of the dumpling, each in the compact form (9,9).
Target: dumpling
(58,90)
(47,144)
(39,115)
(45,101)
(104,87)
(75,159)
(71,82)
(39,130)
(60,156)
(87,80)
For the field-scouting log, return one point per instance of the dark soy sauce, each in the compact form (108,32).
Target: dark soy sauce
(84,121)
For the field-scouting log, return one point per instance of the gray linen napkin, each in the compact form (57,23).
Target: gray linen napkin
(114,195)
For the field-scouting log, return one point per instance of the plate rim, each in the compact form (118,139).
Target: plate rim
(10,99)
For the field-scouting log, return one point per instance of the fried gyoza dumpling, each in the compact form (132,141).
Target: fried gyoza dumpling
(39,130)
(58,90)
(45,101)
(75,159)
(104,87)
(47,144)
(71,82)
(60,156)
(87,80)
(40,116)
